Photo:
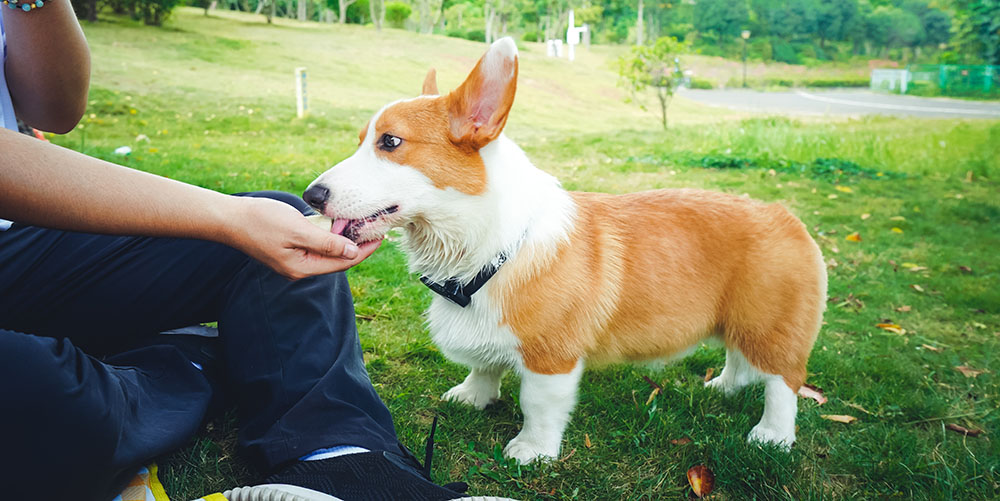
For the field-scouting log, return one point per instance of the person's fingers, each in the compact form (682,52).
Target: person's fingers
(317,264)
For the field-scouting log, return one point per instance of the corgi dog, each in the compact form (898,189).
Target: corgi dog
(542,281)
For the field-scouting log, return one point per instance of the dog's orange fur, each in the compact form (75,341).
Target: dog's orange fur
(648,275)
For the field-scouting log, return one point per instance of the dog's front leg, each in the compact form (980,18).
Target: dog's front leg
(480,388)
(546,401)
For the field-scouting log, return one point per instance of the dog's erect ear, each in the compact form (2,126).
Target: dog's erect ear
(430,84)
(478,108)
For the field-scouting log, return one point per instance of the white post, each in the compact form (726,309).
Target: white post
(301,96)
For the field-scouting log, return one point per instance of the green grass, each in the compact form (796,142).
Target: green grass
(192,87)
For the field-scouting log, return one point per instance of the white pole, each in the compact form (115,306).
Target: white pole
(301,96)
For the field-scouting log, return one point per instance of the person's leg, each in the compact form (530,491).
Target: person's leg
(77,428)
(290,347)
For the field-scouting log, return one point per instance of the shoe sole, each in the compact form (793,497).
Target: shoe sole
(284,492)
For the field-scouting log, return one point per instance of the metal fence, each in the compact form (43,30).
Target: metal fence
(939,79)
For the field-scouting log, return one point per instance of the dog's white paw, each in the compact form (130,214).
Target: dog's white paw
(768,435)
(727,385)
(478,396)
(526,451)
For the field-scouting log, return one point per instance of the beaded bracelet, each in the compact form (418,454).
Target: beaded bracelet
(25,6)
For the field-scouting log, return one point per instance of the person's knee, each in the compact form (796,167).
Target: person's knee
(58,417)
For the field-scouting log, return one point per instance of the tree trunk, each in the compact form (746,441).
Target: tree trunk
(302,7)
(490,13)
(260,7)
(638,26)
(92,11)
(373,10)
(344,4)
(272,10)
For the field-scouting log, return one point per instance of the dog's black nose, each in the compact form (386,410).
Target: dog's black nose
(316,196)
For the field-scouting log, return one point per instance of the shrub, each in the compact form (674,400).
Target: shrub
(785,53)
(531,36)
(701,83)
(396,13)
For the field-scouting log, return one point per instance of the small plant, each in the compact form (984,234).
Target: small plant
(657,66)
(396,13)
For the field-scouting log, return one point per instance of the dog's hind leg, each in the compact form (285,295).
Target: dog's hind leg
(777,425)
(735,375)
(480,388)
(546,401)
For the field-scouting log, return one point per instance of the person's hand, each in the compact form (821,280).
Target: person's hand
(279,236)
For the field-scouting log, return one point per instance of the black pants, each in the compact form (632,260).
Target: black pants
(75,422)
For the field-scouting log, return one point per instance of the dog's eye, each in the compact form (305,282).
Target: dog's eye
(388,142)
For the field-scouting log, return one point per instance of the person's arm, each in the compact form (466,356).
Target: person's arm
(50,186)
(48,66)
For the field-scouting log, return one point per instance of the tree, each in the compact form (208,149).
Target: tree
(978,30)
(834,19)
(722,18)
(377,11)
(657,67)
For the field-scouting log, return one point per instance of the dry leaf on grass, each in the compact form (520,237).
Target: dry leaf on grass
(586,440)
(858,407)
(844,189)
(917,288)
(894,328)
(965,269)
(810,391)
(680,441)
(853,237)
(903,309)
(701,479)
(708,374)
(963,430)
(969,371)
(932,348)
(840,418)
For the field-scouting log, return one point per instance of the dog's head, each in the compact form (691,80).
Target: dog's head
(418,155)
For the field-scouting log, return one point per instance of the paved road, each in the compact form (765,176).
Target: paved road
(843,102)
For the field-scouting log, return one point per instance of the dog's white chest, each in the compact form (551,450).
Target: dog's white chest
(474,335)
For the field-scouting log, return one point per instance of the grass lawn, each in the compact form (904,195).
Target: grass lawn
(209,101)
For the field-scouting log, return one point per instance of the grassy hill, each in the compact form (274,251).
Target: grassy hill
(210,101)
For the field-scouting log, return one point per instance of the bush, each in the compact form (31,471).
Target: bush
(531,36)
(701,83)
(476,35)
(785,53)
(859,81)
(396,13)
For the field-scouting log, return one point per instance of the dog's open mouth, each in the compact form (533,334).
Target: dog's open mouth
(353,228)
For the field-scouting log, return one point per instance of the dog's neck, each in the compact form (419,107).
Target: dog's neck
(522,205)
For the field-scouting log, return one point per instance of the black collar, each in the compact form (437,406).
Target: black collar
(454,291)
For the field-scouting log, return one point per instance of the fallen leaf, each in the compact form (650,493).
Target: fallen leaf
(894,328)
(858,407)
(917,288)
(932,348)
(840,418)
(845,189)
(708,374)
(965,269)
(701,479)
(897,218)
(681,441)
(969,371)
(903,309)
(897,230)
(810,391)
(586,440)
(652,395)
(963,430)
(865,216)
(853,237)
(832,196)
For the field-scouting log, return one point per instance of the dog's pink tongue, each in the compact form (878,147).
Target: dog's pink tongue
(338,226)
